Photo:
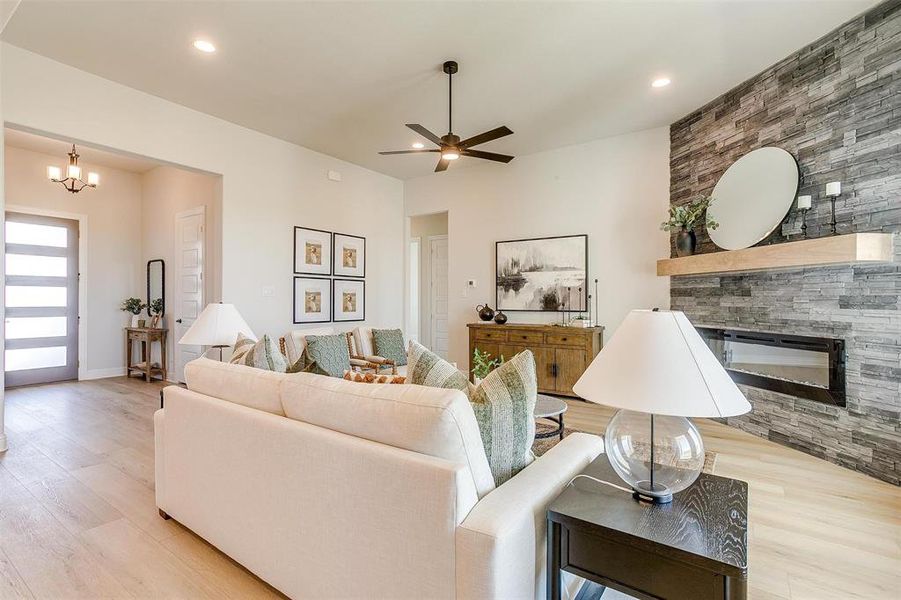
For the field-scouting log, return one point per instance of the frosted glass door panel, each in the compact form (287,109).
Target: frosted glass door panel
(18,328)
(28,296)
(35,358)
(36,235)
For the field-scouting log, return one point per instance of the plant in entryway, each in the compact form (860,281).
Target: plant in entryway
(482,364)
(683,219)
(134,306)
(155,308)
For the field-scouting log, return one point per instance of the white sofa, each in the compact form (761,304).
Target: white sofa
(327,488)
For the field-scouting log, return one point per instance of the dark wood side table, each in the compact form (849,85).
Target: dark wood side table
(146,336)
(695,548)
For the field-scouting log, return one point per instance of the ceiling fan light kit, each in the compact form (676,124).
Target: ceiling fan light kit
(450,146)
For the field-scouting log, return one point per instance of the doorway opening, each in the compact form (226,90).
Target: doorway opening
(428,282)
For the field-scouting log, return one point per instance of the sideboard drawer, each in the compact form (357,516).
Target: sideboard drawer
(490,335)
(527,337)
(565,339)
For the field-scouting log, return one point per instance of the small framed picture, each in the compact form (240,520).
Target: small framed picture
(312,300)
(350,255)
(312,251)
(349,299)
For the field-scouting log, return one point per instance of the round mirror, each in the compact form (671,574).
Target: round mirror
(752,197)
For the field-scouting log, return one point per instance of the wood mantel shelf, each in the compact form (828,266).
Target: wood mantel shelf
(854,248)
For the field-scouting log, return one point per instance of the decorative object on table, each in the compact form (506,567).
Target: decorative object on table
(535,274)
(804,205)
(374,377)
(833,191)
(155,310)
(500,318)
(263,354)
(450,146)
(658,370)
(147,368)
(312,300)
(504,406)
(424,367)
(482,364)
(217,326)
(683,219)
(486,313)
(72,181)
(156,287)
(552,409)
(312,251)
(389,344)
(349,258)
(752,197)
(695,548)
(561,353)
(134,306)
(349,300)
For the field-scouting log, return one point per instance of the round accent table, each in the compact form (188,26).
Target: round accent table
(548,407)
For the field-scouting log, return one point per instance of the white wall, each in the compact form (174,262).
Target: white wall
(616,190)
(114,264)
(423,227)
(268,185)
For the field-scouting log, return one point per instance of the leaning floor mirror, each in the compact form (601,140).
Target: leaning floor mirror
(156,291)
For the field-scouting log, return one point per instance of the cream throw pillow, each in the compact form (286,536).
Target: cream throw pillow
(263,354)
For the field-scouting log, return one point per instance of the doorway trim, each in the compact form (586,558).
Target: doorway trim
(435,238)
(82,219)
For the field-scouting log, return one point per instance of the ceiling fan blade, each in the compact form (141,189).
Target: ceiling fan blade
(442,165)
(425,133)
(485,137)
(504,158)
(410,151)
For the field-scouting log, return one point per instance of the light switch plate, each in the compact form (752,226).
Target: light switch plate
(334,175)
(268,291)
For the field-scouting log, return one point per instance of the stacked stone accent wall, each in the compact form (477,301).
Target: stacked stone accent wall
(836,106)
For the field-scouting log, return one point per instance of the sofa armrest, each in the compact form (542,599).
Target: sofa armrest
(501,545)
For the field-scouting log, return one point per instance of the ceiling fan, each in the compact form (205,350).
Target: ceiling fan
(451,146)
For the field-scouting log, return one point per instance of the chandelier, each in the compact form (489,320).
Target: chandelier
(73,181)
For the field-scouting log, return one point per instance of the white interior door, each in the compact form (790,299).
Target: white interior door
(189,250)
(438,295)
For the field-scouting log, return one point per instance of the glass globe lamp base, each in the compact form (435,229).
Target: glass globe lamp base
(658,494)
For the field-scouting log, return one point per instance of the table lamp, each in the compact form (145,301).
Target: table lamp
(217,326)
(658,370)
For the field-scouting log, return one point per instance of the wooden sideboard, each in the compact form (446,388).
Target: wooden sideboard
(561,353)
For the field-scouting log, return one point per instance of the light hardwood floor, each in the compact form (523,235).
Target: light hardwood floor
(78,518)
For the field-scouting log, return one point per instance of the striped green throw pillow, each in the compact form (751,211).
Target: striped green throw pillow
(263,354)
(427,368)
(504,404)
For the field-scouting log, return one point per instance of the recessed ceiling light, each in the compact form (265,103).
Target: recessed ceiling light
(661,82)
(418,145)
(204,46)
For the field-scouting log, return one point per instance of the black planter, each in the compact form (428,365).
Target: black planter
(686,242)
(500,318)
(486,313)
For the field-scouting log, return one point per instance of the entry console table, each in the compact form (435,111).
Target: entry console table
(146,336)
(695,548)
(561,353)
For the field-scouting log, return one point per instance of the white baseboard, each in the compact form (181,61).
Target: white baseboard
(102,373)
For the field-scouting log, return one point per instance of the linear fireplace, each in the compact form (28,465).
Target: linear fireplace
(806,367)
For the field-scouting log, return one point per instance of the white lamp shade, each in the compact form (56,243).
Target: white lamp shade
(218,325)
(656,362)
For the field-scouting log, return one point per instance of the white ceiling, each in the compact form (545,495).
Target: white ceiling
(343,77)
(87,155)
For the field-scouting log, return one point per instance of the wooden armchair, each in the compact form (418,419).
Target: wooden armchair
(376,363)
(294,352)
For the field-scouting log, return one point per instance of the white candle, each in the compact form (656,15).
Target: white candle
(834,188)
(804,202)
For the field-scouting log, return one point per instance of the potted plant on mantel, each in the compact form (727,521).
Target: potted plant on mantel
(683,219)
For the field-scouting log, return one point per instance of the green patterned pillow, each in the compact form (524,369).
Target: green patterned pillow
(504,404)
(427,368)
(329,352)
(263,354)
(300,366)
(389,343)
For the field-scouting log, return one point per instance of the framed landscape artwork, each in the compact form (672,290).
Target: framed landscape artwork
(312,300)
(312,251)
(349,255)
(349,299)
(542,274)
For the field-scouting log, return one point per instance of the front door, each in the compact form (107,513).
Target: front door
(41,299)
(188,303)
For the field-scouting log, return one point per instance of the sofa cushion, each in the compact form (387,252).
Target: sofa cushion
(262,354)
(296,341)
(329,352)
(424,367)
(504,405)
(389,343)
(247,386)
(430,421)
